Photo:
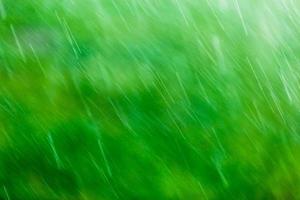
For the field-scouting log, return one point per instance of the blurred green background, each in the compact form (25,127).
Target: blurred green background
(149,99)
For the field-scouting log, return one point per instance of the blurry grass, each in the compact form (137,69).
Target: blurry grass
(140,99)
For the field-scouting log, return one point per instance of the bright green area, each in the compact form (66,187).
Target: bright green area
(149,99)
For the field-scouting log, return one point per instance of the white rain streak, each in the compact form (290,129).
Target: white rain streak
(238,9)
(219,53)
(56,157)
(183,88)
(104,158)
(38,60)
(21,51)
(182,12)
(215,15)
(70,37)
(120,14)
(6,193)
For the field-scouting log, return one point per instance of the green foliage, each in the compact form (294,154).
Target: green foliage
(149,99)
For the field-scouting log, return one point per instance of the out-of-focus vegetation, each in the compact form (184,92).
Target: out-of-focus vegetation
(149,99)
